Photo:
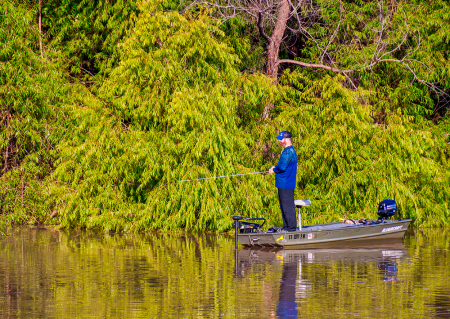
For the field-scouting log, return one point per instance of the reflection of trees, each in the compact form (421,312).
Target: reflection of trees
(134,275)
(98,275)
(441,303)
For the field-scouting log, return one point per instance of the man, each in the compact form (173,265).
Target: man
(285,180)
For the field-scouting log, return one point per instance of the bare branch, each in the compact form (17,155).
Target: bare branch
(313,21)
(86,71)
(312,65)
(334,33)
(261,29)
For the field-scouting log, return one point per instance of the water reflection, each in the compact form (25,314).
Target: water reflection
(57,274)
(389,270)
(287,300)
(295,288)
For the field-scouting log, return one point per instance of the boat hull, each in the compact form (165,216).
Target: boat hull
(327,235)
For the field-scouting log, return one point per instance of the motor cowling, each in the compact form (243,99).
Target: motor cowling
(387,209)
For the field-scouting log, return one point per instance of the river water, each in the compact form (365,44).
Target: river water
(78,274)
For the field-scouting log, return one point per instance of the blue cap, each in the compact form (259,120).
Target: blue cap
(284,134)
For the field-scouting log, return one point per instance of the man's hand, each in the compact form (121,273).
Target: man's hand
(271,170)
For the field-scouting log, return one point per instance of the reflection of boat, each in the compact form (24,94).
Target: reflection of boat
(373,251)
(329,235)
(296,284)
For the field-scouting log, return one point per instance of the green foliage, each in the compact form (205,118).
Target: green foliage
(240,35)
(86,33)
(178,98)
(34,97)
(412,39)
(349,164)
(173,104)
(30,124)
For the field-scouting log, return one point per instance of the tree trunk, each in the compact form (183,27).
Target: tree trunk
(5,169)
(40,28)
(274,48)
(277,37)
(22,193)
(7,120)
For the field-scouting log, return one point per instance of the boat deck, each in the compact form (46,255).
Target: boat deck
(331,226)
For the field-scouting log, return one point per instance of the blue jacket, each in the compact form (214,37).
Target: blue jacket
(286,169)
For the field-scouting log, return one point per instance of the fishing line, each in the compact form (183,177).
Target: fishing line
(197,179)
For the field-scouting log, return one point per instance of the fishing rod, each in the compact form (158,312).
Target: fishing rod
(197,179)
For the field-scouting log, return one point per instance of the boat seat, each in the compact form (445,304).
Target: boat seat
(302,202)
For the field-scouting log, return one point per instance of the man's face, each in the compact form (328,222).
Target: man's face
(282,142)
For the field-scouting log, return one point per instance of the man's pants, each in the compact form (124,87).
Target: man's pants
(287,206)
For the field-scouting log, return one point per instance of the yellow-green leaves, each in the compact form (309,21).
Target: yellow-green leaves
(174,101)
(178,98)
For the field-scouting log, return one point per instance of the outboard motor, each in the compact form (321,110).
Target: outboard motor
(387,209)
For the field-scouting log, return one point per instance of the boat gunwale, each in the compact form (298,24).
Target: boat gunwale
(305,228)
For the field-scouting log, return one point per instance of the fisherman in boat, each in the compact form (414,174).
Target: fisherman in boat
(285,180)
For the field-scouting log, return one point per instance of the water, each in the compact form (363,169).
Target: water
(59,274)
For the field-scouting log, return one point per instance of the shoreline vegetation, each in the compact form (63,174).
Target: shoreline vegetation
(105,105)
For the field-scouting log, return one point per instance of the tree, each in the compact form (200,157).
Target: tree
(347,37)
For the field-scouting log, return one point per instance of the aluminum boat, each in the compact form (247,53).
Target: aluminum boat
(329,235)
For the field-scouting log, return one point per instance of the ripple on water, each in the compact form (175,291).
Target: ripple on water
(94,275)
